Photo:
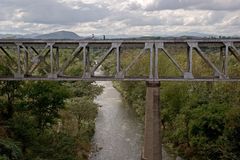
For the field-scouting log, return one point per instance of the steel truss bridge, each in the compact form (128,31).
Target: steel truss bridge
(50,60)
(41,59)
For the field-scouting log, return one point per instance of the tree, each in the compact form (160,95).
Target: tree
(45,99)
(9,92)
(84,111)
(9,150)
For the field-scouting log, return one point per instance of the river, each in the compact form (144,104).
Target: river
(118,133)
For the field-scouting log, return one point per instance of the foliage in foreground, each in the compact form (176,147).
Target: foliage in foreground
(47,120)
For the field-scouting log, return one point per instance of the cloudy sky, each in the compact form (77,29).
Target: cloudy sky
(120,17)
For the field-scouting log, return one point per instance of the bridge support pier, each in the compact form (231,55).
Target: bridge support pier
(152,133)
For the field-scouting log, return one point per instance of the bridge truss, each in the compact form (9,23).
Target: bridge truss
(48,59)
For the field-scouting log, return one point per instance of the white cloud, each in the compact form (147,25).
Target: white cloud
(134,17)
(193,4)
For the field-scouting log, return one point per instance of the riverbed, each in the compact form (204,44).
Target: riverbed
(118,132)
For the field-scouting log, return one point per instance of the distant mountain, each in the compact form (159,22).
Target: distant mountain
(59,35)
(164,36)
(8,36)
(27,36)
(18,36)
(193,34)
(54,35)
(72,35)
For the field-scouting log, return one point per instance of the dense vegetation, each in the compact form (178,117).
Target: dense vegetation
(44,120)
(200,120)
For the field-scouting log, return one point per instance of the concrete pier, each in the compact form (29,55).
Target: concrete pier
(152,133)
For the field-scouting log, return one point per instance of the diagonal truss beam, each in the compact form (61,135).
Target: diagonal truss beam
(106,54)
(7,54)
(9,58)
(206,59)
(37,58)
(101,60)
(161,46)
(188,74)
(40,58)
(71,58)
(234,50)
(134,61)
(142,52)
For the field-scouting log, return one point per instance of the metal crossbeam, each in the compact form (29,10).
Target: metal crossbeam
(44,59)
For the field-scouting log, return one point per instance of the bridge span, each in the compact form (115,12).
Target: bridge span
(42,59)
(32,59)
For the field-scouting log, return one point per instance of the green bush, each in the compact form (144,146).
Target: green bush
(9,150)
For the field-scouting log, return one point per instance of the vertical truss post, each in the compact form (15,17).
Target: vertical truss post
(26,59)
(26,62)
(118,59)
(52,74)
(224,59)
(18,74)
(84,59)
(158,46)
(188,74)
(57,58)
(19,59)
(51,54)
(117,46)
(150,47)
(88,60)
(86,73)
(156,62)
(151,63)
(119,72)
(189,56)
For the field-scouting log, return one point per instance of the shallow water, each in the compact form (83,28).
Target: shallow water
(118,133)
